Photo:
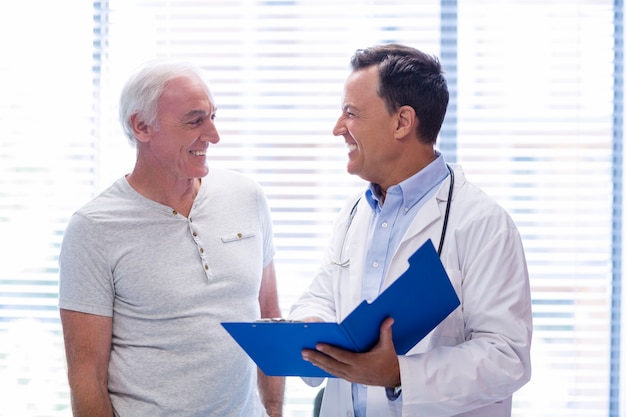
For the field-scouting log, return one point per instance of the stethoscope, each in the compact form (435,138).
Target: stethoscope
(345,263)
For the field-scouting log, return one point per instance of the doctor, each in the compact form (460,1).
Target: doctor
(394,103)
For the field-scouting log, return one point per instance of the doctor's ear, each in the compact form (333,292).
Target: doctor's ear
(406,121)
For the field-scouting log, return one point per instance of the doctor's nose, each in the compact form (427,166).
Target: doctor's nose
(339,128)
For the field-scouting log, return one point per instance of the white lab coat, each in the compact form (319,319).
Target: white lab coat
(471,363)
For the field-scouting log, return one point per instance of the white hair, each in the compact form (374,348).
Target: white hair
(143,89)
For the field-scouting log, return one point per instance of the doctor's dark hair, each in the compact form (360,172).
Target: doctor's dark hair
(410,77)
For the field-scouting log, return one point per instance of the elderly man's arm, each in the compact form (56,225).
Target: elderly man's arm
(88,348)
(271,389)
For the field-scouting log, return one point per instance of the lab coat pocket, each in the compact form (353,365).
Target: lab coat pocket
(497,409)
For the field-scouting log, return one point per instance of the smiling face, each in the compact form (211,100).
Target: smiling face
(367,128)
(176,147)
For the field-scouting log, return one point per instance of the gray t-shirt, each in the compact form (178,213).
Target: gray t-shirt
(168,282)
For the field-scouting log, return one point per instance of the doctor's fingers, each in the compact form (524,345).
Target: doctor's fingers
(333,360)
(378,367)
(370,368)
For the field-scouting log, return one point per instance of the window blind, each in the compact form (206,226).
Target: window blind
(533,126)
(535,132)
(46,170)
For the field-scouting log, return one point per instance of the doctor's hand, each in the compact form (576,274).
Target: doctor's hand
(377,367)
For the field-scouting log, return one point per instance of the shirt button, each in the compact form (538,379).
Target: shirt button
(194,234)
(206,267)
(375,264)
(384,225)
(174,212)
(201,250)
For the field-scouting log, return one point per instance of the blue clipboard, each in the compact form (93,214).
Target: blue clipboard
(418,301)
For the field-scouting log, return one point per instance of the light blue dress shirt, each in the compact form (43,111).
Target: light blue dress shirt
(388,225)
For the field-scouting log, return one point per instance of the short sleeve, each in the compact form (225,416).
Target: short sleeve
(85,277)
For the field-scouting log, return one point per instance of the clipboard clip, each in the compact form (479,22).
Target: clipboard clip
(274,320)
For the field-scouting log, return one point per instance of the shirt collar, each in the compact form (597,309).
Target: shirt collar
(414,188)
